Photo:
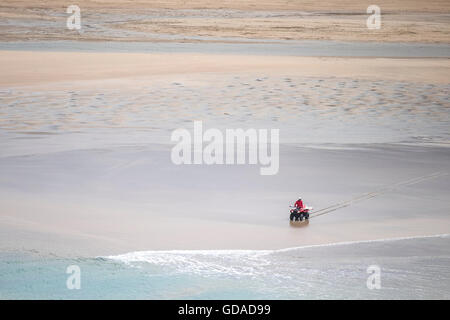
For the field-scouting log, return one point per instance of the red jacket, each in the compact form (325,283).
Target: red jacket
(299,204)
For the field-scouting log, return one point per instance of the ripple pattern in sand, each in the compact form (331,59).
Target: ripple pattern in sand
(305,108)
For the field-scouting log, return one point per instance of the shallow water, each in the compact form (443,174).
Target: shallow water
(307,48)
(411,268)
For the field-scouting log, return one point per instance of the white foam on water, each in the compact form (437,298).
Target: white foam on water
(228,262)
(343,243)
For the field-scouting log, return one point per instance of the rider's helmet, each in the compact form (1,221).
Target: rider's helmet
(299,198)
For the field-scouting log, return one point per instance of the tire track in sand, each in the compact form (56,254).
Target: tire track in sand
(373,194)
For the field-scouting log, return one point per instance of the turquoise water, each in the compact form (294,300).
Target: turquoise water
(415,268)
(26,277)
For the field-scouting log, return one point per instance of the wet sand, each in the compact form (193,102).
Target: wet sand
(85,162)
(117,200)
(85,125)
(86,177)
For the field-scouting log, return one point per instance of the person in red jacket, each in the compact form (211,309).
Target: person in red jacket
(299,204)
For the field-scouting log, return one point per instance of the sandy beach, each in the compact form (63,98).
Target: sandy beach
(127,104)
(227,21)
(93,211)
(86,174)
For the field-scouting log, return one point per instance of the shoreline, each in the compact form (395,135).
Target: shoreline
(342,265)
(97,222)
(95,186)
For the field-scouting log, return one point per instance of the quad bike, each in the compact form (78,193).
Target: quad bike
(299,214)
